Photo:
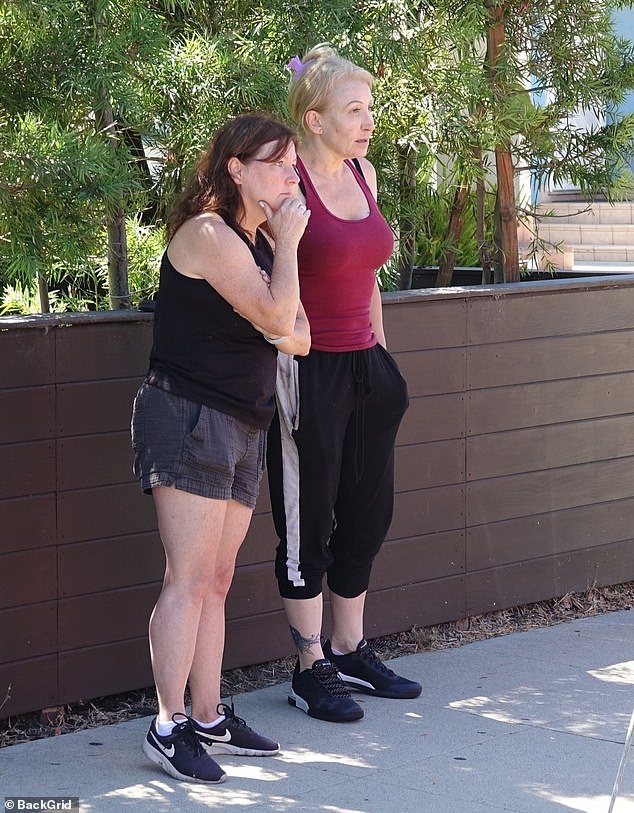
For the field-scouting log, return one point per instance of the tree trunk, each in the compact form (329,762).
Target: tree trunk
(118,262)
(506,213)
(407,219)
(117,240)
(42,291)
(505,209)
(456,224)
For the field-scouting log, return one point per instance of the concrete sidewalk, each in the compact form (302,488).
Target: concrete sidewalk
(531,722)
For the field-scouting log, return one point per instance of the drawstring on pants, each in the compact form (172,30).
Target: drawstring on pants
(362,388)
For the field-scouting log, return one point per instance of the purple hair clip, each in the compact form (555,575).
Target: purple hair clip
(296,66)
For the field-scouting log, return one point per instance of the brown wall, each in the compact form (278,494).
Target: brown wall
(514,481)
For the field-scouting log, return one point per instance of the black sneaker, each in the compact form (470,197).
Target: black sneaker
(180,754)
(362,670)
(233,736)
(320,692)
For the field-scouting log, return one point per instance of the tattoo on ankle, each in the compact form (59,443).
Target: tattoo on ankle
(303,644)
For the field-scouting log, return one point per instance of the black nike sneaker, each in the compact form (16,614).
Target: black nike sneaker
(234,736)
(181,754)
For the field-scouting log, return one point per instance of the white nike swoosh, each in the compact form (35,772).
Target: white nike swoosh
(226,737)
(168,751)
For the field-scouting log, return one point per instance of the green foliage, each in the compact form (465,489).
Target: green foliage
(146,244)
(53,181)
(19,301)
(105,105)
(431,245)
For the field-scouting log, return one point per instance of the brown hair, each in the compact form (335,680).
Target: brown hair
(211,188)
(322,68)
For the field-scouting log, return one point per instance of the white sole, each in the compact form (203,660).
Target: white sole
(220,748)
(158,759)
(297,701)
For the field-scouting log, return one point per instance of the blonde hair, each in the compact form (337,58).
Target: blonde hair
(310,88)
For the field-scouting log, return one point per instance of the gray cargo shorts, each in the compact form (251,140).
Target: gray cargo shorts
(195,448)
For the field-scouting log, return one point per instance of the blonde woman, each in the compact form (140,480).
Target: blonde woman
(331,446)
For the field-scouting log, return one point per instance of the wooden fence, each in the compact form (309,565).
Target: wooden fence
(514,481)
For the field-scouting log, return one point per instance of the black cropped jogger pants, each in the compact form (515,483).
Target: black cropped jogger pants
(331,467)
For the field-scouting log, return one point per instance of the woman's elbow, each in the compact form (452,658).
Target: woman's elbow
(296,345)
(303,346)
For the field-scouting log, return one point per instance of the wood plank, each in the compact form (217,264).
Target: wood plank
(92,407)
(523,495)
(264,638)
(31,685)
(554,313)
(556,532)
(94,460)
(428,511)
(428,465)
(433,372)
(27,358)
(549,402)
(405,562)
(260,542)
(413,513)
(27,469)
(429,324)
(547,447)
(27,414)
(253,592)
(87,352)
(400,563)
(27,522)
(258,639)
(110,564)
(102,618)
(99,513)
(549,359)
(100,671)
(551,577)
(28,577)
(419,605)
(435,417)
(28,632)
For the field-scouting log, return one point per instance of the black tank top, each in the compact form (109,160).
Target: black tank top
(205,352)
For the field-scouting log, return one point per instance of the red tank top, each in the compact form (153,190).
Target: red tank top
(338,260)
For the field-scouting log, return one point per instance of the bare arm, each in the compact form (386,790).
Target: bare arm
(376,315)
(298,343)
(205,247)
(376,308)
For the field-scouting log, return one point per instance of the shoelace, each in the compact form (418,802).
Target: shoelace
(370,655)
(184,730)
(329,678)
(232,717)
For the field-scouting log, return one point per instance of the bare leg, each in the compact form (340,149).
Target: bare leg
(192,531)
(204,678)
(305,619)
(347,621)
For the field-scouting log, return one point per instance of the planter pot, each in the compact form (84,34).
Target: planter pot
(425,276)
